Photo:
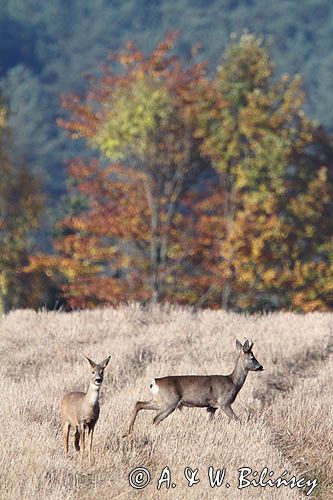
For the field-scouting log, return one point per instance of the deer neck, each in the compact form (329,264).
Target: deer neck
(92,394)
(239,375)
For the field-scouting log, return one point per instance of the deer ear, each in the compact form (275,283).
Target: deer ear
(248,344)
(92,364)
(238,345)
(105,362)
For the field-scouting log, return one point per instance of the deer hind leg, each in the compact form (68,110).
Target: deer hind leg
(166,411)
(90,438)
(65,430)
(141,405)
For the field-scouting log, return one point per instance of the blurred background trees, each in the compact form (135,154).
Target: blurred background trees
(144,116)
(48,47)
(267,241)
(20,207)
(259,237)
(203,183)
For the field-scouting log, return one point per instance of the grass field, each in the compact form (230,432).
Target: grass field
(286,410)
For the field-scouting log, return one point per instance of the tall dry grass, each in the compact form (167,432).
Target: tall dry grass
(286,410)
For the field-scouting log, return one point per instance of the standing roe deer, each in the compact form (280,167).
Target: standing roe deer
(199,391)
(81,410)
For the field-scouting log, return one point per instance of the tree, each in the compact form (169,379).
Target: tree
(20,205)
(260,237)
(144,117)
(99,245)
(271,200)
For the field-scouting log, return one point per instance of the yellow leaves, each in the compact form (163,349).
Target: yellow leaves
(175,251)
(138,112)
(322,175)
(270,276)
(254,233)
(247,276)
(241,178)
(3,117)
(301,302)
(309,230)
(69,272)
(78,224)
(314,305)
(41,262)
(140,74)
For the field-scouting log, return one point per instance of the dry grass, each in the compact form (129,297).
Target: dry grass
(286,410)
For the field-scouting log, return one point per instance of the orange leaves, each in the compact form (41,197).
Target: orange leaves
(142,225)
(84,120)
(261,250)
(97,245)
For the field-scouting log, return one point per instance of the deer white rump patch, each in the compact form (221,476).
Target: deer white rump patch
(153,387)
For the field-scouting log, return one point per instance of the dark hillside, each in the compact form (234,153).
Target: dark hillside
(47,47)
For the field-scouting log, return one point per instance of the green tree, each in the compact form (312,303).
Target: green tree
(20,205)
(272,195)
(144,116)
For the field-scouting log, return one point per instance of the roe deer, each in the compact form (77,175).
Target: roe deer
(199,391)
(80,410)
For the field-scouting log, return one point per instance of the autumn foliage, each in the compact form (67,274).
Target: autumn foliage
(208,190)
(20,205)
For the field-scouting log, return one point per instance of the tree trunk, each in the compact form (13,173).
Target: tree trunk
(155,249)
(229,209)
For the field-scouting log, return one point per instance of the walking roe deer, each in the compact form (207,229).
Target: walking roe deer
(81,409)
(199,391)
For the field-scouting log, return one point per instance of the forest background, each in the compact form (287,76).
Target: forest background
(196,169)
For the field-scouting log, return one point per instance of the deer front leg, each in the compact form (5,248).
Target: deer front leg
(211,408)
(77,439)
(90,437)
(211,411)
(65,429)
(228,411)
(82,436)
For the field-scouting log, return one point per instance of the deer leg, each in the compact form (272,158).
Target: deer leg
(65,429)
(82,436)
(164,414)
(141,405)
(90,438)
(211,408)
(228,411)
(77,439)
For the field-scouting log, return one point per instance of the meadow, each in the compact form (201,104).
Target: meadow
(286,410)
